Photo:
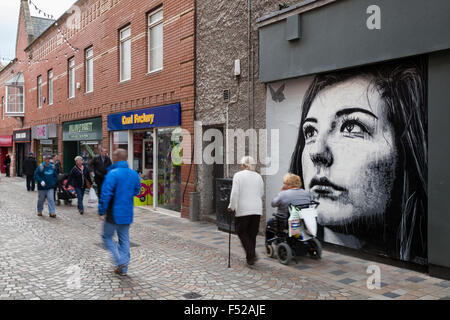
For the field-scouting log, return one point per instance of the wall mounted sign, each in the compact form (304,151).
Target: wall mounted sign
(90,129)
(22,135)
(162,116)
(6,141)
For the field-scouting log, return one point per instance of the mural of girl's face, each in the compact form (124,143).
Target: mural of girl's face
(349,158)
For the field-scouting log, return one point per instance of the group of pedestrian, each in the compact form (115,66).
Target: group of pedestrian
(246,201)
(117,185)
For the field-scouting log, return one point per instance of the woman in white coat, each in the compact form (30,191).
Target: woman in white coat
(246,200)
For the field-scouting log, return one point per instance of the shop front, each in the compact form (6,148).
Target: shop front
(22,146)
(45,140)
(152,138)
(82,138)
(6,143)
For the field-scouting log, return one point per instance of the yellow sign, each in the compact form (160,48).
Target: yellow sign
(136,118)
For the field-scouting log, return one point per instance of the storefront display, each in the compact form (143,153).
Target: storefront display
(6,143)
(151,137)
(45,140)
(82,137)
(22,146)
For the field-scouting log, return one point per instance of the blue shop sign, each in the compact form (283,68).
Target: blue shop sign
(163,116)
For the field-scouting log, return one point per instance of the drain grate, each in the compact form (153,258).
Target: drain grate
(192,295)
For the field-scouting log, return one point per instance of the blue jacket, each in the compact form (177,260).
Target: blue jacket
(47,174)
(121,184)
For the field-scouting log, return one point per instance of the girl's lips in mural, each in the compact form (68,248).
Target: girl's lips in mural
(323,188)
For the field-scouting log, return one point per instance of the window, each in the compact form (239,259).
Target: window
(155,41)
(3,108)
(71,78)
(39,91)
(14,100)
(90,70)
(50,87)
(125,54)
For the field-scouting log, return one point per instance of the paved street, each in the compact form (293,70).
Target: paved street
(40,258)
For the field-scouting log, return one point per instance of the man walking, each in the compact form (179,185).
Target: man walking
(29,167)
(46,177)
(116,201)
(98,166)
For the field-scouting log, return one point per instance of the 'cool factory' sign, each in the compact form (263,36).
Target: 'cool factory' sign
(163,116)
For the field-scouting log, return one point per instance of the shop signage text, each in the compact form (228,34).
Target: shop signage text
(90,129)
(162,116)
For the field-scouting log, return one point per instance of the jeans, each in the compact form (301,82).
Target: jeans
(30,182)
(120,251)
(247,229)
(42,195)
(80,195)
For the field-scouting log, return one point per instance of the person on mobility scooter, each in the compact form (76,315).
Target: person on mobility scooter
(292,230)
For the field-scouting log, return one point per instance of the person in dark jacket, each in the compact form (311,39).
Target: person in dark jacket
(46,177)
(98,166)
(79,178)
(120,187)
(57,163)
(29,167)
(7,163)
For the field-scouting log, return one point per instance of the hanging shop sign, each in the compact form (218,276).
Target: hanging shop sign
(84,130)
(6,141)
(22,135)
(162,116)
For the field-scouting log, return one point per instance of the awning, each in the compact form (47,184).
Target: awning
(6,141)
(16,80)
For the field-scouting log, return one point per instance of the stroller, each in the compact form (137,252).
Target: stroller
(288,237)
(63,193)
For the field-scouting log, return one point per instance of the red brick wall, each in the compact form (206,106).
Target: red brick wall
(101,20)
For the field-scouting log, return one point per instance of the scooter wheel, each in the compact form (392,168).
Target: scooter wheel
(316,249)
(58,202)
(269,251)
(284,253)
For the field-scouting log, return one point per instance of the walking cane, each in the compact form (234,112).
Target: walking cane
(229,241)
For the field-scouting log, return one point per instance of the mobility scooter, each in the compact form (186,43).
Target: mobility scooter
(289,237)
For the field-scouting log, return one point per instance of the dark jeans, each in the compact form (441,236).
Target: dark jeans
(80,196)
(247,229)
(7,170)
(99,183)
(30,183)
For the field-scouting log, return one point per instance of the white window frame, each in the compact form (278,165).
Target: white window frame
(122,40)
(71,77)
(39,91)
(7,108)
(89,58)
(152,25)
(50,86)
(3,108)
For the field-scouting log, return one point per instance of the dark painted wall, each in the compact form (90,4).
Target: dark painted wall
(439,159)
(336,36)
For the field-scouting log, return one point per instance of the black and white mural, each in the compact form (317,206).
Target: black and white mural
(359,142)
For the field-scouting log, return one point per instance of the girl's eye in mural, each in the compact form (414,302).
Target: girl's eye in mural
(309,132)
(354,128)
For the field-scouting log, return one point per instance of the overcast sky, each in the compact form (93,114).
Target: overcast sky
(9,15)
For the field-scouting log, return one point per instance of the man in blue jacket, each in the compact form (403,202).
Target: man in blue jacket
(116,202)
(46,177)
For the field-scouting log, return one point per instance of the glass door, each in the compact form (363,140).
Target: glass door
(169,168)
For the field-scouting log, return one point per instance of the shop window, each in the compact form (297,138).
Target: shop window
(119,140)
(169,168)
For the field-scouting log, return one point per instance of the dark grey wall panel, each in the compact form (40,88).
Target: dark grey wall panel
(336,36)
(438,159)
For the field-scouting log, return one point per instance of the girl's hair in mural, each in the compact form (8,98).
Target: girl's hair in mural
(402,86)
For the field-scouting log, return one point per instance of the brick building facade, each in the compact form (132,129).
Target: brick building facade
(88,37)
